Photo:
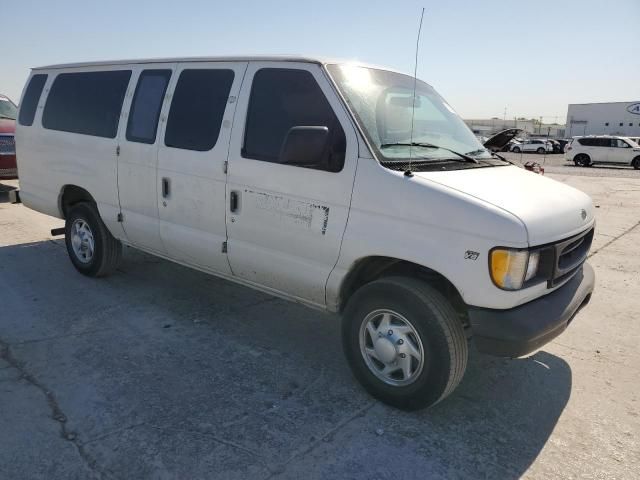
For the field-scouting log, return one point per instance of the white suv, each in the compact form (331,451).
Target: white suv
(347,188)
(586,151)
(532,145)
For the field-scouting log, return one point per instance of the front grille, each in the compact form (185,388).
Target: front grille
(8,172)
(569,255)
(7,145)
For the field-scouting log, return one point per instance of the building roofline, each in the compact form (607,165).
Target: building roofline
(603,103)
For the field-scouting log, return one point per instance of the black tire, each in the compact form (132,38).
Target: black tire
(107,251)
(541,150)
(636,163)
(583,160)
(576,162)
(516,150)
(445,348)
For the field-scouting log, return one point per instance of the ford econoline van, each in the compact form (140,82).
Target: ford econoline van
(332,184)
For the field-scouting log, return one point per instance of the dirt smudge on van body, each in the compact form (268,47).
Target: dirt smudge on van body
(305,214)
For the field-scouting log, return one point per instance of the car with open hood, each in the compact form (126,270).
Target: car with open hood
(500,141)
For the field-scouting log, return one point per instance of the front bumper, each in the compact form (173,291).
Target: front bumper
(8,168)
(520,330)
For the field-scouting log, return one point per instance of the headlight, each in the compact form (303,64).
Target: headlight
(511,268)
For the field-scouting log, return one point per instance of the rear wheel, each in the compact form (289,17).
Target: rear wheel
(582,159)
(91,247)
(636,163)
(404,342)
(541,150)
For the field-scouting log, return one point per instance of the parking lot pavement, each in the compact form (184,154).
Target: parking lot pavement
(557,165)
(163,372)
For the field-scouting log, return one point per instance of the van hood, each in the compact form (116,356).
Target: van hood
(549,210)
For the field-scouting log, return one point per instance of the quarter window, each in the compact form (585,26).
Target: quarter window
(31,98)
(88,103)
(282,99)
(146,106)
(197,109)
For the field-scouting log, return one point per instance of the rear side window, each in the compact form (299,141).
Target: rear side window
(197,109)
(594,142)
(88,103)
(146,106)
(282,99)
(31,98)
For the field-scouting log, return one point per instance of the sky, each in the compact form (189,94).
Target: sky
(531,58)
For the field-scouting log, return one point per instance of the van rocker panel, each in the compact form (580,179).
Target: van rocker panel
(517,331)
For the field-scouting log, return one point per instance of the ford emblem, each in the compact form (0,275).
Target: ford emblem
(583,214)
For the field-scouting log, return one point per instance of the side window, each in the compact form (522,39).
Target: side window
(146,106)
(282,99)
(88,102)
(587,142)
(604,142)
(197,108)
(31,98)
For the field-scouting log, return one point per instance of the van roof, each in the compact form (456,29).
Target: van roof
(246,58)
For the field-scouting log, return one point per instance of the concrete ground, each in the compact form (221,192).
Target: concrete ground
(556,164)
(163,372)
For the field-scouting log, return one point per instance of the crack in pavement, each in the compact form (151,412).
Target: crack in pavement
(58,337)
(617,237)
(114,432)
(213,437)
(281,468)
(56,412)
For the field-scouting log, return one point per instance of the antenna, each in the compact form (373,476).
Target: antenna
(413,103)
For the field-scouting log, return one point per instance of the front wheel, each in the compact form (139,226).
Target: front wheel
(404,342)
(636,163)
(583,160)
(541,150)
(91,247)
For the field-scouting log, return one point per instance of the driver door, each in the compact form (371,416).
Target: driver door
(285,222)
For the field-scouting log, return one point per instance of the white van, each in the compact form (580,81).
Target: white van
(304,178)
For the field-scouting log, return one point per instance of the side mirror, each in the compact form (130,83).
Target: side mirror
(305,146)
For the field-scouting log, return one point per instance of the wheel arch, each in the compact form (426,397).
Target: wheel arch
(71,195)
(368,269)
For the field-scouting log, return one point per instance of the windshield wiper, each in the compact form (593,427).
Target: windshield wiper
(463,156)
(493,154)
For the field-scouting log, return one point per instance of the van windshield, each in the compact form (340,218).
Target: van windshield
(382,102)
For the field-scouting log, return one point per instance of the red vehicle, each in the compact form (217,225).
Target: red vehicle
(8,113)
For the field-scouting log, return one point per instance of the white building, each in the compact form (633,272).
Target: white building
(613,118)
